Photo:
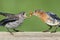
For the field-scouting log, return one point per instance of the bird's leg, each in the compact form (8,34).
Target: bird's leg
(16,30)
(48,29)
(10,31)
(55,30)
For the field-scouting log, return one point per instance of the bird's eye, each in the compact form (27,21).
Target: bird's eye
(23,13)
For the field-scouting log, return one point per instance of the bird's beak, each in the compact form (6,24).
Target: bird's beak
(25,16)
(31,13)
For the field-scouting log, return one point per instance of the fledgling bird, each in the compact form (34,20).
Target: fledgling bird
(12,20)
(49,18)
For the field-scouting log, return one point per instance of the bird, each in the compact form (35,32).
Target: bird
(12,21)
(49,18)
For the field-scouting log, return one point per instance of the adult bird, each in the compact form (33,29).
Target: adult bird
(49,18)
(12,21)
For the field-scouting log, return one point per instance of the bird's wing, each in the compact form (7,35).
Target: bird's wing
(6,14)
(54,16)
(51,14)
(5,21)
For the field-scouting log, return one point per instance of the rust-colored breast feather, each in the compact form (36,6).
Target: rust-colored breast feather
(44,17)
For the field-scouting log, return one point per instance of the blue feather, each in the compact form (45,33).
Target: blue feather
(54,16)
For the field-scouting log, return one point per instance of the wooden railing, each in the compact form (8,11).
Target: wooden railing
(30,36)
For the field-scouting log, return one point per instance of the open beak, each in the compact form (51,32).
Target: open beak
(25,16)
(31,13)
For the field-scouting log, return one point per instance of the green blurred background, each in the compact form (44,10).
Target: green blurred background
(33,24)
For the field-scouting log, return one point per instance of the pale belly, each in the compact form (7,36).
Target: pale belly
(13,24)
(51,22)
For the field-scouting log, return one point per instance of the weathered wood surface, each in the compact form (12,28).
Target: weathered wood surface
(30,36)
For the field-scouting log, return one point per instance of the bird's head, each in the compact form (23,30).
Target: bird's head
(37,12)
(22,14)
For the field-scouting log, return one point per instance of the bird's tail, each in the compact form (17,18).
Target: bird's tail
(1,13)
(1,25)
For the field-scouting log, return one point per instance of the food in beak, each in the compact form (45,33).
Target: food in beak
(31,13)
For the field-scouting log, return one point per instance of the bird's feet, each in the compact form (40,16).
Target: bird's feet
(46,31)
(16,30)
(53,31)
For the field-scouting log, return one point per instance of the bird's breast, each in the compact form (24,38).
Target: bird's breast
(13,24)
